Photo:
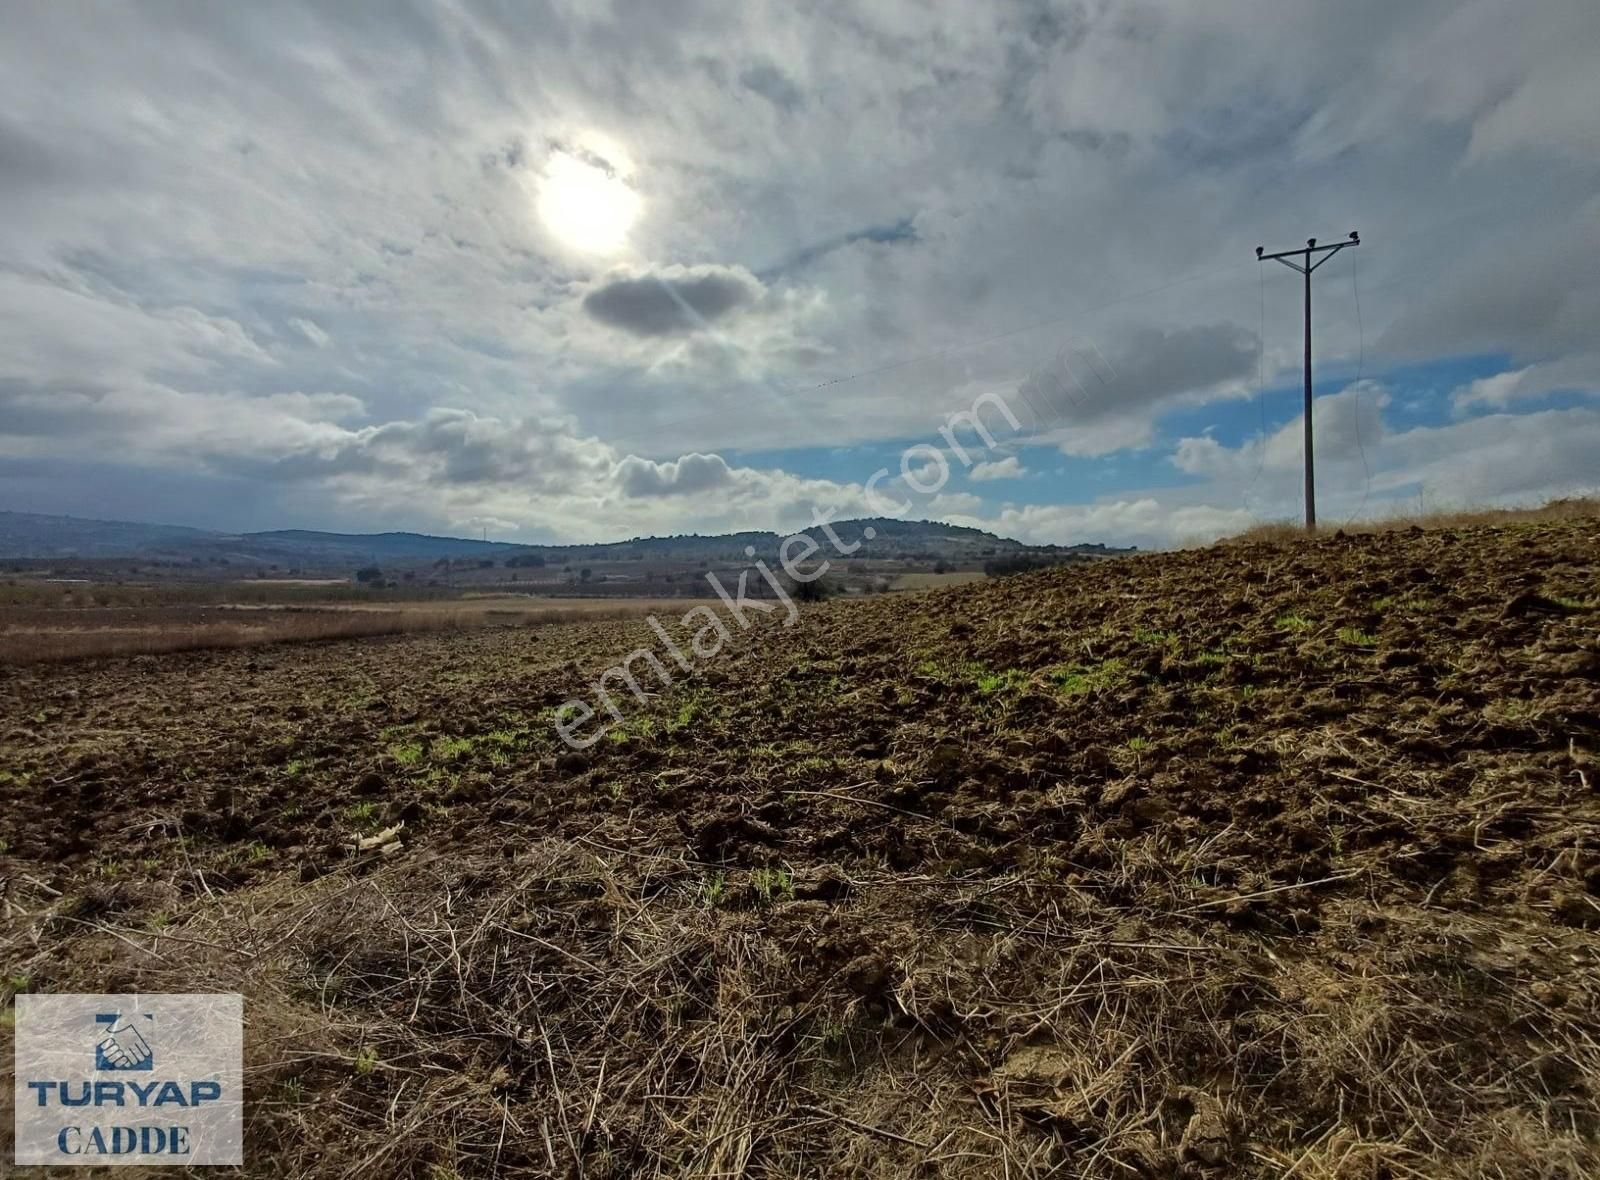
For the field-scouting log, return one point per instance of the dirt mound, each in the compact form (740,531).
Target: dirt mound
(1254,861)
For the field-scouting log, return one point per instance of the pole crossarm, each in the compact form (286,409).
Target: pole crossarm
(1307,250)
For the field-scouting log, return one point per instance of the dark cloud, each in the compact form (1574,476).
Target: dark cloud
(774,85)
(47,408)
(1083,382)
(25,161)
(672,300)
(1533,298)
(1156,363)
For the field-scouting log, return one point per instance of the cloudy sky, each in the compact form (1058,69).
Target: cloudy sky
(584,271)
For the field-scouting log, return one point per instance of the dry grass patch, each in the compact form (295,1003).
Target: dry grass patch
(576,1009)
(1572,508)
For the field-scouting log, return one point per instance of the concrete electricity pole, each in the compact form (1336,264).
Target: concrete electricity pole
(1305,268)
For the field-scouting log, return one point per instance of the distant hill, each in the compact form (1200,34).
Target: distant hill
(30,535)
(310,546)
(26,535)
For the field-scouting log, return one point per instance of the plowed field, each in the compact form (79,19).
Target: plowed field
(1251,861)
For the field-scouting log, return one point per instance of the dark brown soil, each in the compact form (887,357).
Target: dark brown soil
(1253,861)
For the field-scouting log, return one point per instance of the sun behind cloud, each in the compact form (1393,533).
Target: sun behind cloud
(586,201)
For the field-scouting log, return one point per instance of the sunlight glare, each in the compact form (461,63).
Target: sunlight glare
(587,203)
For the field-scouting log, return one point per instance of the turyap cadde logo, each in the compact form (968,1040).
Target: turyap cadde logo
(124,1046)
(132,1079)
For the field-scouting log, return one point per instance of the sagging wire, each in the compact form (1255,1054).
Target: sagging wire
(1361,365)
(1261,393)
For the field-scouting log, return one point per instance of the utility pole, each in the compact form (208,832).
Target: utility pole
(1305,268)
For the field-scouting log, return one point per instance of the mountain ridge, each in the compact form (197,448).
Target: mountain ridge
(38,536)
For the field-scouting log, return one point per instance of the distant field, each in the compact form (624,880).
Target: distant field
(82,594)
(299,582)
(32,634)
(933,581)
(543,608)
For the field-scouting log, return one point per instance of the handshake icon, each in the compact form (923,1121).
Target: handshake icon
(123,1047)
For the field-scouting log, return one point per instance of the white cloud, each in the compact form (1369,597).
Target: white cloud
(1008,468)
(1146,521)
(1580,373)
(1359,456)
(955,507)
(309,330)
